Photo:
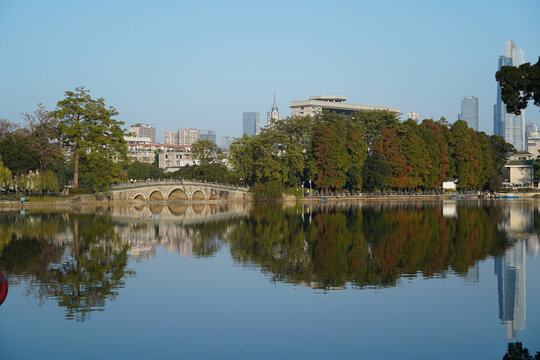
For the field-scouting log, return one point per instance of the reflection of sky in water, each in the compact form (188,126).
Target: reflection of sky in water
(198,307)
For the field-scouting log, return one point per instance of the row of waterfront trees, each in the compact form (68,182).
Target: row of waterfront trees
(369,150)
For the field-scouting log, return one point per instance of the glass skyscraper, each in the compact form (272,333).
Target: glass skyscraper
(209,135)
(469,111)
(251,123)
(510,127)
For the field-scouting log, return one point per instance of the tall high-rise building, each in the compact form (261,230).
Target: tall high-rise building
(414,115)
(208,135)
(188,136)
(511,127)
(144,130)
(530,127)
(170,137)
(469,111)
(532,138)
(273,115)
(226,142)
(251,123)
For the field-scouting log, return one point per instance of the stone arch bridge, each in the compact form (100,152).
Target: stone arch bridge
(177,191)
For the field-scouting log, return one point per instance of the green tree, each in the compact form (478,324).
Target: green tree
(376,170)
(357,149)
(18,152)
(332,159)
(88,127)
(465,154)
(205,151)
(519,85)
(44,135)
(6,177)
(139,170)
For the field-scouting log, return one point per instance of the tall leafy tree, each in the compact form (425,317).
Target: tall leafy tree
(44,134)
(89,128)
(376,170)
(18,152)
(6,177)
(465,153)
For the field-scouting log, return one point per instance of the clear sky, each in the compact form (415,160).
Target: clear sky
(178,64)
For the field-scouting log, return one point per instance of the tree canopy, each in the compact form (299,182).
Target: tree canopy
(96,139)
(368,150)
(519,85)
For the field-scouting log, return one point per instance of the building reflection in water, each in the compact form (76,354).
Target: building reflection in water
(510,268)
(170,228)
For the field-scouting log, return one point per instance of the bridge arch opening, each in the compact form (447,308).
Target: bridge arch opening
(156,195)
(139,197)
(198,196)
(156,208)
(198,208)
(177,209)
(213,197)
(178,195)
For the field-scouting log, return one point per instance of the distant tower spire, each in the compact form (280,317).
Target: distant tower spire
(273,115)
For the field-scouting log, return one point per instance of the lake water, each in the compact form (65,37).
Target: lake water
(407,280)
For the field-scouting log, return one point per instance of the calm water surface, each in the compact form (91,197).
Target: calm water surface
(415,280)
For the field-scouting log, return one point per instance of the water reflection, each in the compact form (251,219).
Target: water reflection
(510,268)
(78,260)
(81,260)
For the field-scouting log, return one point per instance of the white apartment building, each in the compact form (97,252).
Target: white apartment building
(188,136)
(141,149)
(170,137)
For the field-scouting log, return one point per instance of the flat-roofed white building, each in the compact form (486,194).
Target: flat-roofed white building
(521,169)
(174,159)
(144,130)
(316,104)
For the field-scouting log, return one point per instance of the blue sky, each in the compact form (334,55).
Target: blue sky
(201,64)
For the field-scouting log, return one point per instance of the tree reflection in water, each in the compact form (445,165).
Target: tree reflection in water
(367,247)
(78,260)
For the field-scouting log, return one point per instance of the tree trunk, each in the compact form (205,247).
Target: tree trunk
(76,170)
(76,237)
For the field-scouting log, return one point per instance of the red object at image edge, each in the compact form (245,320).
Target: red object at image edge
(3,288)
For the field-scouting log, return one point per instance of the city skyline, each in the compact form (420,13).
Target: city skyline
(202,80)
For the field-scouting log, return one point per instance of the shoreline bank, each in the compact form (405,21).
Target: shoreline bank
(93,200)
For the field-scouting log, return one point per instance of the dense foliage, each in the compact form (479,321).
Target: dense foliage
(519,85)
(369,150)
(96,139)
(370,247)
(79,142)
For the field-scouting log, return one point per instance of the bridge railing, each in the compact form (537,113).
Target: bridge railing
(161,182)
